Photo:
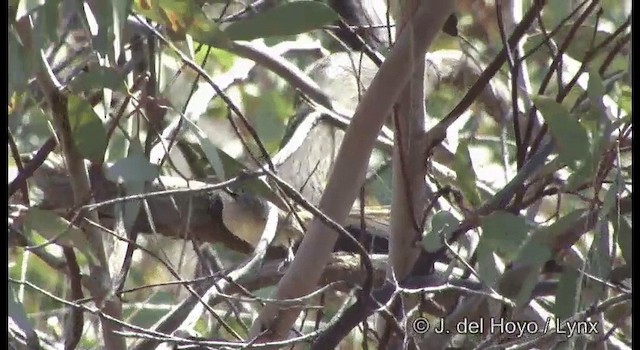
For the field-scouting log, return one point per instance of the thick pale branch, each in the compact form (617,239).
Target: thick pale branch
(350,166)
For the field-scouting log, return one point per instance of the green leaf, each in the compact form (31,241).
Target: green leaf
(595,86)
(570,137)
(103,41)
(487,264)
(17,313)
(183,17)
(443,223)
(98,78)
(87,130)
(599,259)
(612,195)
(287,19)
(45,24)
(465,174)
(547,235)
(132,169)
(132,208)
(567,298)
(19,69)
(624,100)
(582,174)
(51,226)
(504,233)
(532,256)
(623,232)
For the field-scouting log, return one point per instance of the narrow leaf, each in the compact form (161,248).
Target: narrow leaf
(51,226)
(595,86)
(132,169)
(569,136)
(533,256)
(17,313)
(504,233)
(622,229)
(288,19)
(98,78)
(183,17)
(487,264)
(567,299)
(465,174)
(87,130)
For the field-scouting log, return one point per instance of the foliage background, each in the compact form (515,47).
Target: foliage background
(72,43)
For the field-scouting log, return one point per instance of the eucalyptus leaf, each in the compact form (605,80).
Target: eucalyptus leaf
(443,223)
(87,129)
(624,233)
(595,86)
(51,226)
(465,174)
(17,313)
(98,78)
(504,233)
(287,19)
(569,136)
(599,260)
(181,18)
(567,297)
(532,258)
(134,168)
(487,264)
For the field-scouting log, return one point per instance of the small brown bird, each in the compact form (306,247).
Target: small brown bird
(245,215)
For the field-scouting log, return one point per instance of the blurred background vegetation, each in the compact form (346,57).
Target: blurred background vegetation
(83,41)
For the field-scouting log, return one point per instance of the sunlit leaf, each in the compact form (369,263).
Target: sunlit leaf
(567,298)
(443,223)
(134,168)
(17,313)
(98,78)
(287,19)
(569,136)
(87,130)
(19,69)
(547,235)
(504,233)
(51,226)
(487,264)
(532,257)
(599,259)
(595,86)
(182,17)
(465,174)
(624,233)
